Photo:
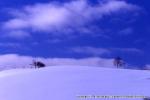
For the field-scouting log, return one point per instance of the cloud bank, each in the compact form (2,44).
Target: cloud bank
(9,61)
(56,18)
(97,51)
(91,50)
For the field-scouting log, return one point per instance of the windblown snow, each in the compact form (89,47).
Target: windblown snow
(73,82)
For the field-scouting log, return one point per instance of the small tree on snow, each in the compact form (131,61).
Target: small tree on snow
(38,64)
(118,62)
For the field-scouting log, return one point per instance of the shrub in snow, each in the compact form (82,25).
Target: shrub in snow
(38,64)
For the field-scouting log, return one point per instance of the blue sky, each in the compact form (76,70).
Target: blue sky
(76,29)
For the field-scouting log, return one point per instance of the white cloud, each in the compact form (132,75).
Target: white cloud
(115,6)
(9,61)
(91,50)
(131,50)
(10,45)
(65,18)
(97,51)
(18,34)
(147,67)
(126,31)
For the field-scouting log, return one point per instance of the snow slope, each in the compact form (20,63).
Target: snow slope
(69,82)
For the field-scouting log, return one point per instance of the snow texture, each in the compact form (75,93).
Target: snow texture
(70,82)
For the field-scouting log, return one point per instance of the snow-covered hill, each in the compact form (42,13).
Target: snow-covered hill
(70,82)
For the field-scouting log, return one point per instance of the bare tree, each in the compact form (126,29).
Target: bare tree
(38,64)
(118,62)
